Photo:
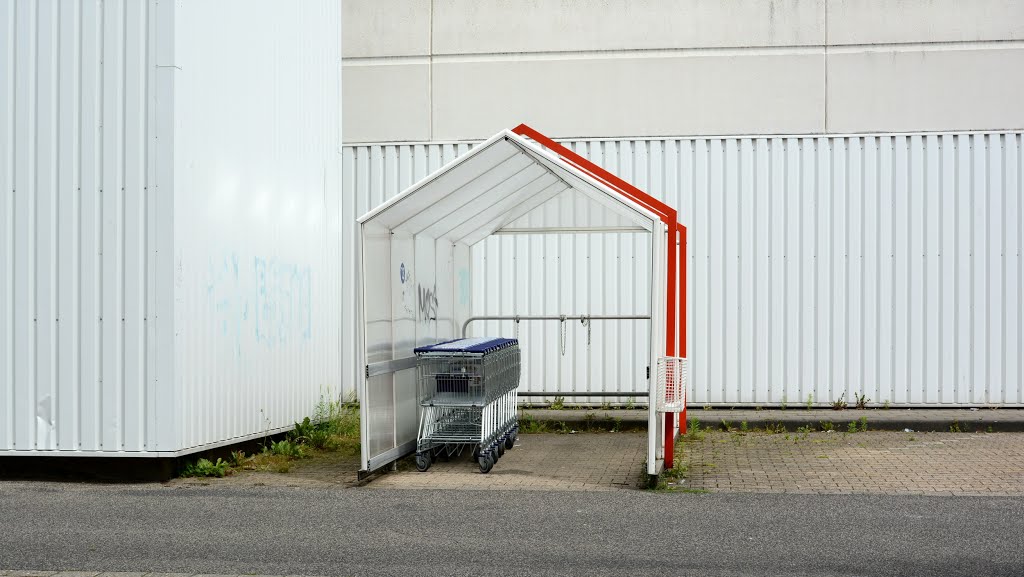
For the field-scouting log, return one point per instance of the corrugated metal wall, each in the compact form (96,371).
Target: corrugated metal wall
(888,265)
(257,229)
(77,219)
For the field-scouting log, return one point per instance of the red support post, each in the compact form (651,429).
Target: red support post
(668,215)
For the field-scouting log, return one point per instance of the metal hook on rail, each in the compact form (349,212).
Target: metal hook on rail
(561,321)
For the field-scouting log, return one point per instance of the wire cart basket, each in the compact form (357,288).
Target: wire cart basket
(467,393)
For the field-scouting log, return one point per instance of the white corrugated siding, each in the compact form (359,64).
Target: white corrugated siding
(77,226)
(888,265)
(257,235)
(169,221)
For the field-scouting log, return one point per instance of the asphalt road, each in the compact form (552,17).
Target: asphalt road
(369,531)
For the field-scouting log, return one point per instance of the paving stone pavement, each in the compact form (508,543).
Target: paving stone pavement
(549,462)
(844,463)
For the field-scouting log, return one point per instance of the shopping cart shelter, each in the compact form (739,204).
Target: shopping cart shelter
(417,273)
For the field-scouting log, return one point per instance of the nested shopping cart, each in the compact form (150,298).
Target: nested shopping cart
(467,393)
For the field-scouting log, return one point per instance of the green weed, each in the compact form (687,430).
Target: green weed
(863,424)
(694,432)
(826,426)
(810,402)
(839,404)
(852,427)
(558,404)
(862,401)
(286,448)
(206,468)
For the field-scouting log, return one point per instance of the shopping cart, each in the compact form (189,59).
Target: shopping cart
(467,394)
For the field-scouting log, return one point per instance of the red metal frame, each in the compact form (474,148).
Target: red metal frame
(676,258)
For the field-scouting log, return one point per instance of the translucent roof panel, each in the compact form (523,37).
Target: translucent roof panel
(508,185)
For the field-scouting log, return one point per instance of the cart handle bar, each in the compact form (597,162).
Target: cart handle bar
(562,318)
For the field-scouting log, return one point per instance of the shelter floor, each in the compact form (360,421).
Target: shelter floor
(544,461)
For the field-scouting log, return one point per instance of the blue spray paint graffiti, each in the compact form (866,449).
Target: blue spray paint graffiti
(274,304)
(227,300)
(283,302)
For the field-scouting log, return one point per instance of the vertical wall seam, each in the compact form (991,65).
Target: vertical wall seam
(123,228)
(33,245)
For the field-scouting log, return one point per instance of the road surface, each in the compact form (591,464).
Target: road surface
(371,531)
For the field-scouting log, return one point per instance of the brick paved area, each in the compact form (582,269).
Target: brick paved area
(550,462)
(872,462)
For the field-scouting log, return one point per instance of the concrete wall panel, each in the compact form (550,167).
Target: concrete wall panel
(926,90)
(910,21)
(394,28)
(474,27)
(649,96)
(389,102)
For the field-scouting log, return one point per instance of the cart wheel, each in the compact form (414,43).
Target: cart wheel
(509,443)
(485,463)
(422,461)
(501,448)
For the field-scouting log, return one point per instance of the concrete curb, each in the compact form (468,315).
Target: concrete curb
(923,420)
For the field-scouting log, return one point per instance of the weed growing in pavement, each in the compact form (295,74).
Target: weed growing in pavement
(839,404)
(826,426)
(805,430)
(886,405)
(989,429)
(774,428)
(606,406)
(783,405)
(694,432)
(528,424)
(862,401)
(810,402)
(558,404)
(617,424)
(630,404)
(863,424)
(958,427)
(725,425)
(744,427)
(707,407)
(206,468)
(852,427)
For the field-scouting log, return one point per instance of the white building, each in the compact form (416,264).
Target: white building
(169,222)
(851,173)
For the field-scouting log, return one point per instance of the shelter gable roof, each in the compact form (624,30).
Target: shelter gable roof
(509,183)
